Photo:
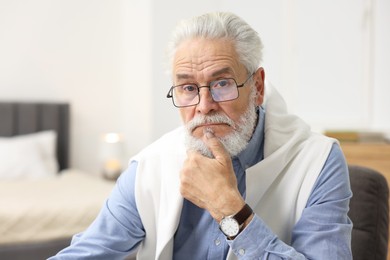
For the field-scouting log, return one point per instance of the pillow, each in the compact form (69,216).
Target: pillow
(28,156)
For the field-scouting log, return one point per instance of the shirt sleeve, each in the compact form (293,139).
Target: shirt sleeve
(322,232)
(117,230)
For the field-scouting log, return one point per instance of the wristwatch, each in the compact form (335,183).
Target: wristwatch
(232,225)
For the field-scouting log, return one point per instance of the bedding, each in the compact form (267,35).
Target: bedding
(41,211)
(50,208)
(29,156)
(23,118)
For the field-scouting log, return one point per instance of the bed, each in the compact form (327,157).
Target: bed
(42,201)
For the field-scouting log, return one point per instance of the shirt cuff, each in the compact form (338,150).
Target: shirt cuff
(257,241)
(252,242)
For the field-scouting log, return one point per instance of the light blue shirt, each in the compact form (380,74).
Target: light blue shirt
(323,231)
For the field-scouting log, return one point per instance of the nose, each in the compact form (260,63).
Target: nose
(206,104)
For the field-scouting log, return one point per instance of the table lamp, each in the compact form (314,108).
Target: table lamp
(111,153)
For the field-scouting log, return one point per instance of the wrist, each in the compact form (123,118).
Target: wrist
(227,205)
(232,225)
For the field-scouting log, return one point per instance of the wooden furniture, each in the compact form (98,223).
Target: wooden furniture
(373,155)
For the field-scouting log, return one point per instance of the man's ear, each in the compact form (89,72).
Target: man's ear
(259,77)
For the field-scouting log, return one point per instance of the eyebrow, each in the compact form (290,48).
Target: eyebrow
(214,74)
(183,76)
(222,71)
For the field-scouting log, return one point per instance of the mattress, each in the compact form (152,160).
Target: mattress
(51,208)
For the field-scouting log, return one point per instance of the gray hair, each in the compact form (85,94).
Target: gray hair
(221,25)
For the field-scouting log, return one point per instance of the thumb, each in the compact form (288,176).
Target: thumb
(215,145)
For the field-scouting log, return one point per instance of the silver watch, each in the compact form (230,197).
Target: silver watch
(232,225)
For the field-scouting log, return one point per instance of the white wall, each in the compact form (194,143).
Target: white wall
(381,68)
(93,54)
(330,60)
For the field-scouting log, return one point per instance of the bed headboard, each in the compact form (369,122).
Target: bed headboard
(17,118)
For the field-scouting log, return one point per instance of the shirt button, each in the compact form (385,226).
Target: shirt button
(217,242)
(241,252)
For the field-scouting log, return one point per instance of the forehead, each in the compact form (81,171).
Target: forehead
(203,58)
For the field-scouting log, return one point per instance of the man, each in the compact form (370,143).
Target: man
(242,179)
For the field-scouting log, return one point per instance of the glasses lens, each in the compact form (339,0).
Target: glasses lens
(224,90)
(185,95)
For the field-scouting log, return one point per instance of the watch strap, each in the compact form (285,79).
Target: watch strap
(243,214)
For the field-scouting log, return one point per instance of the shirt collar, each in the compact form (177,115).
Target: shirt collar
(254,152)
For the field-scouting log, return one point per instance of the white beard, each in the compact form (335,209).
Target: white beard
(234,142)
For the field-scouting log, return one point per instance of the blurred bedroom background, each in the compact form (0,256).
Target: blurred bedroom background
(330,60)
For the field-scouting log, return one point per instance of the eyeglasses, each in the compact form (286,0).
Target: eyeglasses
(221,90)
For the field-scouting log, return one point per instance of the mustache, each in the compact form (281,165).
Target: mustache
(209,119)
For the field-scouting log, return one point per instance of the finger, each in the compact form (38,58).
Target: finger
(214,144)
(190,152)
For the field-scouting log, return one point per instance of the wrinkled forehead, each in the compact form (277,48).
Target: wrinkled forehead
(207,57)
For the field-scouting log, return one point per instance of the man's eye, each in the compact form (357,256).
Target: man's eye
(221,83)
(189,88)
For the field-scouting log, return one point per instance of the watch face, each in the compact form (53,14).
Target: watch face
(229,226)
